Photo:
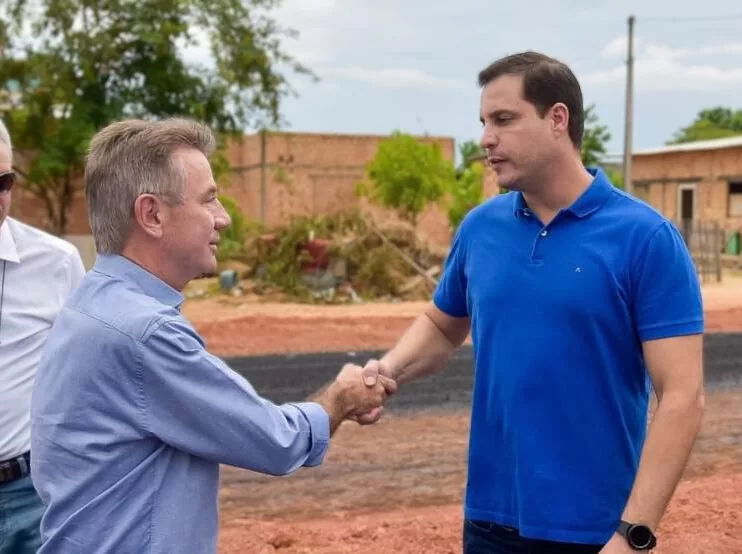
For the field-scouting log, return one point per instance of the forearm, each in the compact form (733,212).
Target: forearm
(422,350)
(669,442)
(336,412)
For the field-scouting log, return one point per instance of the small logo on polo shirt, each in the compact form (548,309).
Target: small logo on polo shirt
(578,269)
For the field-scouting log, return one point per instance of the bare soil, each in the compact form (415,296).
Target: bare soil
(396,487)
(247,326)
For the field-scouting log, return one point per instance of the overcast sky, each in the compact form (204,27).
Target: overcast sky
(412,64)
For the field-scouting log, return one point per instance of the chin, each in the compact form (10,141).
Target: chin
(207,268)
(510,184)
(210,268)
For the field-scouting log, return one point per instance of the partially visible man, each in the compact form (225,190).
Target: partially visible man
(131,415)
(578,298)
(37,273)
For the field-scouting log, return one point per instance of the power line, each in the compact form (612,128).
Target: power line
(683,19)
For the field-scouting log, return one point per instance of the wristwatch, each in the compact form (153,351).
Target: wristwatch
(639,536)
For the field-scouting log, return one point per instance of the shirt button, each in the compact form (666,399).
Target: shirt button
(526,213)
(544,233)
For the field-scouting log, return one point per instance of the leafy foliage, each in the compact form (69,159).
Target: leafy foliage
(91,63)
(232,244)
(713,123)
(468,150)
(594,138)
(466,194)
(406,175)
(616,177)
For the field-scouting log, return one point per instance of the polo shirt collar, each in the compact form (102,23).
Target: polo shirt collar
(594,196)
(588,202)
(8,247)
(151,285)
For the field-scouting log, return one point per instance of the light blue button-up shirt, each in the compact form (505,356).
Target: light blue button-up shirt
(131,417)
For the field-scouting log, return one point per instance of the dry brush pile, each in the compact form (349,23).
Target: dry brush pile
(338,258)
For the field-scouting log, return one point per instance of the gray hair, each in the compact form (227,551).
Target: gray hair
(5,138)
(131,158)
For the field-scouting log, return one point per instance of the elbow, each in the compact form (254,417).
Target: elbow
(288,456)
(281,470)
(277,463)
(697,403)
(688,407)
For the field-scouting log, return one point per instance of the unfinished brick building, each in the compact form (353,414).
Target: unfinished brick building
(696,181)
(277,175)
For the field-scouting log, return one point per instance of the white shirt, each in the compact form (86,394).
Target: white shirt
(41,271)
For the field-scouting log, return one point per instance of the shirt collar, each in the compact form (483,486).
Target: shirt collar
(8,247)
(588,202)
(151,285)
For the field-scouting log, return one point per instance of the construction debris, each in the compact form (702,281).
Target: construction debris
(339,258)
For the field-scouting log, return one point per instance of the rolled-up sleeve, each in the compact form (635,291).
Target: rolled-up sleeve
(194,402)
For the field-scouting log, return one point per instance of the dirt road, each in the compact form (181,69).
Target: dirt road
(248,327)
(397,487)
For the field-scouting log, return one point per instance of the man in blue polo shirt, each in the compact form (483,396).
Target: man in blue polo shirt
(578,297)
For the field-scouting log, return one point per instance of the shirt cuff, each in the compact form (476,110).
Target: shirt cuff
(319,424)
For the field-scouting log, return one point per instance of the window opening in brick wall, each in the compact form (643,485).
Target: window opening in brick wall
(735,199)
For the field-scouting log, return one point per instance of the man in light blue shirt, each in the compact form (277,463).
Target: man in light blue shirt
(131,416)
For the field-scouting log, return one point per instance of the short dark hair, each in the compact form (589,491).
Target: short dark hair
(546,81)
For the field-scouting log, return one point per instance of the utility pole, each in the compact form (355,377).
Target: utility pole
(627,148)
(263,156)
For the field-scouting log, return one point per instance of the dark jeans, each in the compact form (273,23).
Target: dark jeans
(482,537)
(20,515)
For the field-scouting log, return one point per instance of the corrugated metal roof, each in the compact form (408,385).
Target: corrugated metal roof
(714,144)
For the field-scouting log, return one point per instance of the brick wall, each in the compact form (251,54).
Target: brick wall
(659,177)
(285,174)
(313,174)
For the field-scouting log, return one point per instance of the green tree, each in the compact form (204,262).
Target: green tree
(232,241)
(407,175)
(468,150)
(713,123)
(594,138)
(91,63)
(616,177)
(467,193)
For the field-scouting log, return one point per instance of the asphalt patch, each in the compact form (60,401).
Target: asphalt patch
(291,378)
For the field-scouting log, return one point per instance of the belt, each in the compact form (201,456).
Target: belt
(15,468)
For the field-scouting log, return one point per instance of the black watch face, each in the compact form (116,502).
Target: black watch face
(640,536)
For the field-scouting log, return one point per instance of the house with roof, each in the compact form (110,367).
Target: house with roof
(693,183)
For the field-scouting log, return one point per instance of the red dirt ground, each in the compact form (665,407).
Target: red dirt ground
(245,326)
(392,488)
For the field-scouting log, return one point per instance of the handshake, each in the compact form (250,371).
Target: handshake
(357,393)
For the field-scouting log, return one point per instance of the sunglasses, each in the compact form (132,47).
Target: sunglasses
(7,180)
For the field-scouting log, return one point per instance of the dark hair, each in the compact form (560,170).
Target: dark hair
(546,81)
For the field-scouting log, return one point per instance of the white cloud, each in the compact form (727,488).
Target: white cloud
(198,50)
(662,67)
(313,21)
(390,77)
(618,48)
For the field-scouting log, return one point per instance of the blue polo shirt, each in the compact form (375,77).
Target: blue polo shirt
(559,313)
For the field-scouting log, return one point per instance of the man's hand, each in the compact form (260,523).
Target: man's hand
(371,370)
(356,391)
(617,545)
